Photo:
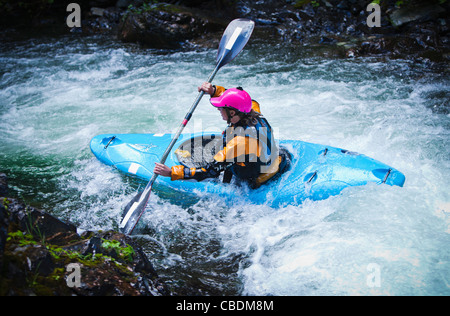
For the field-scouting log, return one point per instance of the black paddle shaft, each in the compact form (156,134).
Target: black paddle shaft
(233,41)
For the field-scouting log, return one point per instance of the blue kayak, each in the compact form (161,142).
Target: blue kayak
(316,171)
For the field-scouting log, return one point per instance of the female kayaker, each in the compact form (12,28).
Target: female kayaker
(249,153)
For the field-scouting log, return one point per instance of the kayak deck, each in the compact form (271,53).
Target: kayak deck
(316,172)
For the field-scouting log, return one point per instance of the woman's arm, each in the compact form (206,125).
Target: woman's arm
(211,170)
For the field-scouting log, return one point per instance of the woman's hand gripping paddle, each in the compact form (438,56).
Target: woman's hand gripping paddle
(233,41)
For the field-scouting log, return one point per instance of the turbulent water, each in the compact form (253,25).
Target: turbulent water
(56,94)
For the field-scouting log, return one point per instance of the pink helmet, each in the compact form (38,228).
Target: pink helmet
(235,98)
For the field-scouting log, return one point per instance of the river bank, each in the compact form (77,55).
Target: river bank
(415,30)
(41,255)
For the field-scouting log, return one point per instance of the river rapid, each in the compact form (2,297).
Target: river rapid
(58,93)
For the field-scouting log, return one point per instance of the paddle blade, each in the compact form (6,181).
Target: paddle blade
(134,210)
(234,38)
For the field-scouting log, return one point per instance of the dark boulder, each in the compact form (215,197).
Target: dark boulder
(3,184)
(167,26)
(37,251)
(420,13)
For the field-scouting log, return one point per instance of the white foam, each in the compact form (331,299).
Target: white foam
(60,99)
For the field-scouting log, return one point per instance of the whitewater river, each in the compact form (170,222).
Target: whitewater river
(56,94)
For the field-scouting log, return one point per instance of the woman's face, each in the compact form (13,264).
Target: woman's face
(234,118)
(223,113)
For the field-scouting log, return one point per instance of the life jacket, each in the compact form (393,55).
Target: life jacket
(249,150)
(249,153)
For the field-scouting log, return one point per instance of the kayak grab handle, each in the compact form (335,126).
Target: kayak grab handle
(387,175)
(383,174)
(110,141)
(323,152)
(314,174)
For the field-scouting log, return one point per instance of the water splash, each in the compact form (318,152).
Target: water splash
(57,94)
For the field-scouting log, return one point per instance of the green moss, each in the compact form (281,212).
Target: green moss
(52,284)
(125,253)
(5,203)
(301,3)
(21,238)
(31,282)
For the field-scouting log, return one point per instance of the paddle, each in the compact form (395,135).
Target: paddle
(233,41)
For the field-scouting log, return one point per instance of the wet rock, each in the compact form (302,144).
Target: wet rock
(97,11)
(124,3)
(102,3)
(167,26)
(100,21)
(300,23)
(3,184)
(37,249)
(420,13)
(421,28)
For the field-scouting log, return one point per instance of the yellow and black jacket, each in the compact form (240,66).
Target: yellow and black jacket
(249,153)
